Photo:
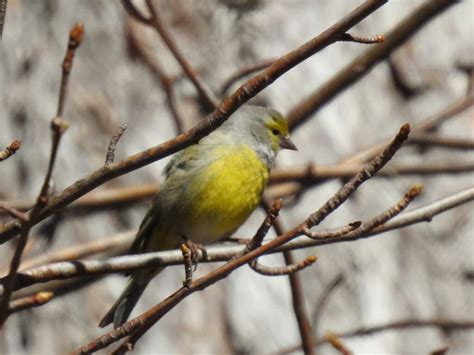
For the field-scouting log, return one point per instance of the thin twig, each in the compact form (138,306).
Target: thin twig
(316,174)
(361,65)
(204,91)
(117,244)
(110,156)
(296,287)
(214,120)
(110,197)
(445,324)
(427,125)
(379,219)
(323,299)
(433,140)
(365,174)
(298,300)
(262,231)
(12,211)
(352,37)
(337,343)
(27,302)
(75,38)
(10,150)
(334,233)
(290,268)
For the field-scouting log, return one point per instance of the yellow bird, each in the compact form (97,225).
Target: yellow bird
(210,190)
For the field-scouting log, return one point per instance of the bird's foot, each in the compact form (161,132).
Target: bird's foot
(195,248)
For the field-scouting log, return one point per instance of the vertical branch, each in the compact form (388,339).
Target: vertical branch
(297,295)
(58,127)
(75,38)
(206,94)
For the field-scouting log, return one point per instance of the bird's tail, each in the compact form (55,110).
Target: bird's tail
(122,308)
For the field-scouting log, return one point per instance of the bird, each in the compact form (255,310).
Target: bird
(209,190)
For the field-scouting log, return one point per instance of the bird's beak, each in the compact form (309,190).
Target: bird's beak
(286,143)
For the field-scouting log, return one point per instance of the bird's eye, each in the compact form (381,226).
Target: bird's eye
(275,132)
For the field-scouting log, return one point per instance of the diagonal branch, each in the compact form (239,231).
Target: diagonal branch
(214,120)
(204,91)
(366,61)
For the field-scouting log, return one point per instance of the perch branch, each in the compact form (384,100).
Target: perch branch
(65,270)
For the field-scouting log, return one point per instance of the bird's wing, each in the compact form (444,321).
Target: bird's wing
(145,230)
(178,167)
(182,161)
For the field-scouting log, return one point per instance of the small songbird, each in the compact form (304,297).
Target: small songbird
(210,190)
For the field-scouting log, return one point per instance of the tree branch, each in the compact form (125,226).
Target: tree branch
(366,61)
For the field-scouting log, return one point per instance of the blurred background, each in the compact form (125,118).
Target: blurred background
(419,272)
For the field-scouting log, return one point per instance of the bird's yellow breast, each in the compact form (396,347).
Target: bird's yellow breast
(226,193)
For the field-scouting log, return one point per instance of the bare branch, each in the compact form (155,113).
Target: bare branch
(432,140)
(380,219)
(324,298)
(110,157)
(334,233)
(10,150)
(75,38)
(204,91)
(290,268)
(361,65)
(352,37)
(445,324)
(296,287)
(427,125)
(365,174)
(13,212)
(337,343)
(35,300)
